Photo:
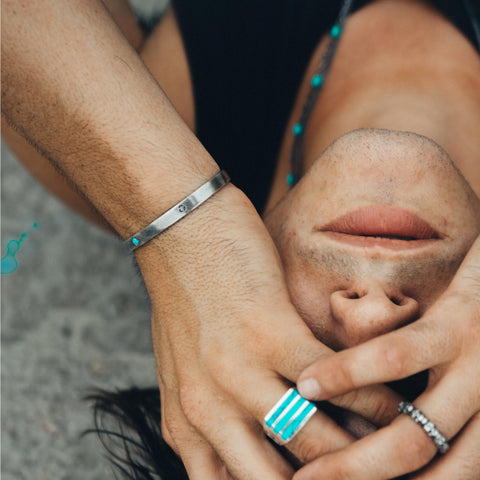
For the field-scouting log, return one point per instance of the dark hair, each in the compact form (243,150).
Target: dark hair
(128,425)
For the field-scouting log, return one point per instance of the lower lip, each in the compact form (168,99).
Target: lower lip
(382,221)
(369,242)
(375,225)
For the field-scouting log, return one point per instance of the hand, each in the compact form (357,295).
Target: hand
(446,341)
(228,344)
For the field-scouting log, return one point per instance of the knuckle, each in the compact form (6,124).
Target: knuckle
(339,375)
(170,426)
(173,430)
(161,376)
(396,358)
(167,377)
(168,437)
(299,348)
(307,449)
(192,405)
(221,373)
(340,472)
(385,409)
(218,366)
(375,406)
(334,375)
(349,401)
(260,345)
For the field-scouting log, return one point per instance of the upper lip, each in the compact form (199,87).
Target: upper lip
(382,221)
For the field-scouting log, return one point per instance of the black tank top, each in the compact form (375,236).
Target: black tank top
(247,59)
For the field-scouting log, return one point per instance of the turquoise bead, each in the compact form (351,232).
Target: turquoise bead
(335,31)
(291,179)
(317,81)
(135,241)
(297,129)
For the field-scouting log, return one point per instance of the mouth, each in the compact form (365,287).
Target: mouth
(378,225)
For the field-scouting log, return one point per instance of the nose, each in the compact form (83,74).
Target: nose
(370,310)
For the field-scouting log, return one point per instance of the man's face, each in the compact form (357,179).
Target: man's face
(348,284)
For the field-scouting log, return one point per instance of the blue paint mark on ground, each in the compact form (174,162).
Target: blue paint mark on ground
(9,262)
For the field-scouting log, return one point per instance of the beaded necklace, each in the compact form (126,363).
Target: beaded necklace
(318,79)
(316,84)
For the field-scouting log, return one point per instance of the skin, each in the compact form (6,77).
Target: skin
(394,87)
(349,294)
(416,96)
(346,321)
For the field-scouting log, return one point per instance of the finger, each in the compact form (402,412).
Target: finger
(202,462)
(404,446)
(319,435)
(233,434)
(409,350)
(467,277)
(454,399)
(462,460)
(166,435)
(198,457)
(378,456)
(378,404)
(239,441)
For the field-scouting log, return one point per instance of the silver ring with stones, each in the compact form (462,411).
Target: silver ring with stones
(430,428)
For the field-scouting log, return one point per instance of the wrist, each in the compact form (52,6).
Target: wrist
(178,211)
(206,224)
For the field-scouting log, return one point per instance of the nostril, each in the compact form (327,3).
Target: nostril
(348,294)
(366,311)
(396,301)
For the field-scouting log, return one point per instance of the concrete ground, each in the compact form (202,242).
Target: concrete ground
(75,314)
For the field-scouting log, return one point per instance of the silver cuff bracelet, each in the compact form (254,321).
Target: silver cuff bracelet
(178,211)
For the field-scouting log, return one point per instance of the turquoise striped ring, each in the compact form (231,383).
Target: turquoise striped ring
(288,416)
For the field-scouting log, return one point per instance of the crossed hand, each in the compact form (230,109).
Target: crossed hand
(226,355)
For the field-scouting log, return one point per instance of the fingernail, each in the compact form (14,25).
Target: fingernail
(309,388)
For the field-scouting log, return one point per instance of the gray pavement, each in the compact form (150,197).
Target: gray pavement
(75,314)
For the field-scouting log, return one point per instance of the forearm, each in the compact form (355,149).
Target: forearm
(76,89)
